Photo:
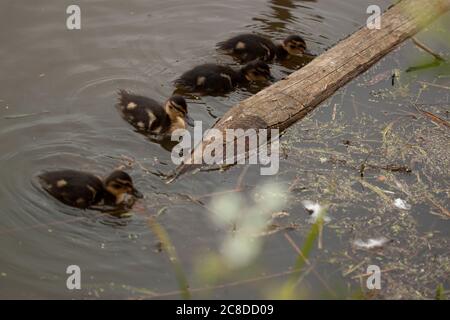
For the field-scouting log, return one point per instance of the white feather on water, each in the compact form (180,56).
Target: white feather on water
(402,204)
(374,243)
(316,211)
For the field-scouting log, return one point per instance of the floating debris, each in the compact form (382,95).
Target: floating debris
(315,211)
(388,74)
(402,204)
(280,214)
(375,243)
(434,118)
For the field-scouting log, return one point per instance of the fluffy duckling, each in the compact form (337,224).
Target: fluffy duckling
(218,79)
(86,191)
(248,47)
(150,117)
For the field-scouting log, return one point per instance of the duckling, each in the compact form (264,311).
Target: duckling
(86,191)
(150,117)
(248,47)
(218,79)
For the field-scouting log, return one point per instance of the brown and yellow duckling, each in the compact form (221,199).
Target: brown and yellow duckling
(248,47)
(219,79)
(150,117)
(86,191)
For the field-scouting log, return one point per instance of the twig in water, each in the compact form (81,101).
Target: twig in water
(220,286)
(445,212)
(433,117)
(427,49)
(163,237)
(299,252)
(376,190)
(363,165)
(217,168)
(294,184)
(370,273)
(433,85)
(351,270)
(391,168)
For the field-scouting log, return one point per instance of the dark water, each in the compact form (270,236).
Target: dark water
(57,91)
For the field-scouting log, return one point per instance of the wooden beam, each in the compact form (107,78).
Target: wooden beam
(291,99)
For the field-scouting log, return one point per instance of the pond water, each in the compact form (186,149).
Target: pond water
(57,96)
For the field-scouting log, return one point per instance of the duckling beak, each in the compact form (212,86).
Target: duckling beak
(136,193)
(189,120)
(309,54)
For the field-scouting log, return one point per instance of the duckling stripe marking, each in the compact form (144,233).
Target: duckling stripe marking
(177,105)
(300,44)
(141,125)
(201,81)
(94,192)
(125,182)
(131,106)
(267,49)
(61,183)
(151,118)
(240,45)
(226,76)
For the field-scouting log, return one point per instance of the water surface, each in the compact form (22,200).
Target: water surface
(56,111)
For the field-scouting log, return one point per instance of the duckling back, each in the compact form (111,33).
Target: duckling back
(73,188)
(249,47)
(208,78)
(144,114)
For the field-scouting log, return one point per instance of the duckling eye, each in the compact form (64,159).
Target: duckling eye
(261,71)
(116,186)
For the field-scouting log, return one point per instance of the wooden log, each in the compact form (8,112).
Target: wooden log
(291,99)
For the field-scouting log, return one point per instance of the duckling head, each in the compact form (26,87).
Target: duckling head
(294,45)
(176,109)
(119,184)
(256,71)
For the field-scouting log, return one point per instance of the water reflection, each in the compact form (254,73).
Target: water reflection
(282,15)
